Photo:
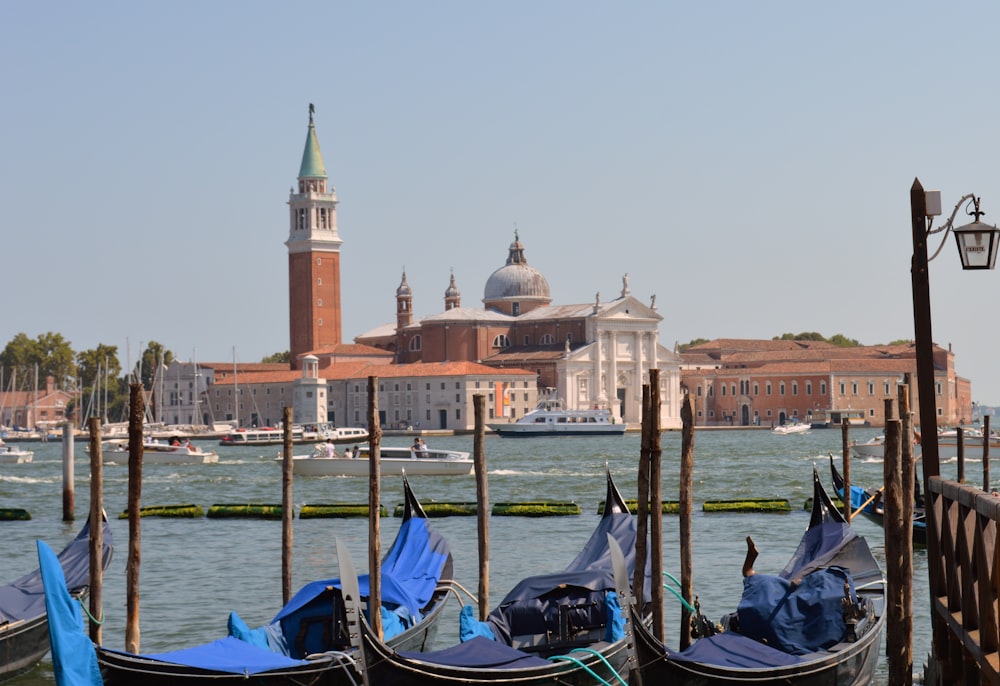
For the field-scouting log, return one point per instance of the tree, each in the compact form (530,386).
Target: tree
(278,358)
(153,356)
(843,341)
(99,370)
(682,347)
(50,352)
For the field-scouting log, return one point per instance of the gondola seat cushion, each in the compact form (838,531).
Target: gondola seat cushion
(795,618)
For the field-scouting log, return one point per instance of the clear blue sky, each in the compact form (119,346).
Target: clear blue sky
(747,162)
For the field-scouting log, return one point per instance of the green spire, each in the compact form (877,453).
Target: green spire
(312,160)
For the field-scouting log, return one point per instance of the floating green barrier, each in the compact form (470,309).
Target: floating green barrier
(536,509)
(338,510)
(748,505)
(837,503)
(13,514)
(245,511)
(669,506)
(433,509)
(190,511)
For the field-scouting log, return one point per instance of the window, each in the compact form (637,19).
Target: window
(795,388)
(767,388)
(458,385)
(781,388)
(527,339)
(733,389)
(515,309)
(319,281)
(854,387)
(723,390)
(887,388)
(822,387)
(938,389)
(871,388)
(458,397)
(415,343)
(501,341)
(442,385)
(547,339)
(395,387)
(458,413)
(756,388)
(843,388)
(699,391)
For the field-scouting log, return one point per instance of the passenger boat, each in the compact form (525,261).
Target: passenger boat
(791,428)
(304,433)
(306,642)
(155,452)
(24,633)
(821,618)
(868,502)
(393,461)
(550,418)
(528,638)
(10,454)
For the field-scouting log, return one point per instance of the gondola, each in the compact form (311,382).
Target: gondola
(307,642)
(872,506)
(560,628)
(821,618)
(24,634)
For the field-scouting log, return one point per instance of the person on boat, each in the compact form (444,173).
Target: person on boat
(356,453)
(348,454)
(415,448)
(423,448)
(328,448)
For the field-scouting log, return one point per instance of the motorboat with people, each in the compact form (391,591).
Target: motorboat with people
(393,460)
(12,454)
(154,451)
(791,428)
(972,442)
(551,418)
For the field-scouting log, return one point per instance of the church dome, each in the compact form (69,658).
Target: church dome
(516,280)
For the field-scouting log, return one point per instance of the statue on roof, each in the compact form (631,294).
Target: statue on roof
(625,290)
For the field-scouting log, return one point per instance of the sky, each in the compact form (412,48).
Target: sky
(749,163)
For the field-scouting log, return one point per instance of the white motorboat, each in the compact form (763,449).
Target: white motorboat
(10,454)
(550,418)
(393,461)
(972,442)
(155,452)
(301,433)
(791,428)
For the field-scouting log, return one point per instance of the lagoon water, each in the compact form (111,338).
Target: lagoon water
(194,571)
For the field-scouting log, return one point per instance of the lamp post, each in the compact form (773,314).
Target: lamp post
(977,246)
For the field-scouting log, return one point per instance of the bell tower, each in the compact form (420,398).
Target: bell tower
(314,312)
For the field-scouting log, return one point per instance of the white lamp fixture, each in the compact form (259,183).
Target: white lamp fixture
(977,242)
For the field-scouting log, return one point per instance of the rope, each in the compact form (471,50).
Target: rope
(603,659)
(677,594)
(91,617)
(588,670)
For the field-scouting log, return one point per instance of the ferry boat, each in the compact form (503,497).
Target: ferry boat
(550,418)
(301,433)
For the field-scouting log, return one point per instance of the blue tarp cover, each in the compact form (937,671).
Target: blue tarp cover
(480,653)
(735,651)
(230,655)
(74,659)
(25,598)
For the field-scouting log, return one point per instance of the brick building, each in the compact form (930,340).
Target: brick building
(741,382)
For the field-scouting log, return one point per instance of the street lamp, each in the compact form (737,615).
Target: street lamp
(977,248)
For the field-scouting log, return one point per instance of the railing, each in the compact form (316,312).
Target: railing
(964,603)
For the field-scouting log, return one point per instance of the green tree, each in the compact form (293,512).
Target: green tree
(50,352)
(99,370)
(153,356)
(278,358)
(682,347)
(843,341)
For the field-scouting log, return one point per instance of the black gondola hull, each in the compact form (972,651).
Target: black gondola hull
(22,646)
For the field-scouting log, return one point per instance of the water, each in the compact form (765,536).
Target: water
(194,571)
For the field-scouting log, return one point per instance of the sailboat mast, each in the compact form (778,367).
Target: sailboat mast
(236,391)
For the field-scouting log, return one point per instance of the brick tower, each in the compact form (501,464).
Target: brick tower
(314,313)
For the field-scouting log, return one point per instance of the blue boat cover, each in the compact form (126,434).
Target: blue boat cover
(532,606)
(229,655)
(735,651)
(480,653)
(74,659)
(410,573)
(25,597)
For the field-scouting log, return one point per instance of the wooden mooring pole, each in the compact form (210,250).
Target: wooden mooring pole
(287,513)
(897,643)
(910,484)
(482,504)
(642,504)
(68,475)
(96,530)
(845,440)
(656,506)
(986,454)
(137,411)
(686,497)
(374,503)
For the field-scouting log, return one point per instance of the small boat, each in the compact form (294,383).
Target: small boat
(821,618)
(869,502)
(550,418)
(307,642)
(155,452)
(24,629)
(528,638)
(791,428)
(972,442)
(301,433)
(10,454)
(393,461)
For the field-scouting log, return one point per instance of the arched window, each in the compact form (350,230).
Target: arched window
(415,343)
(547,339)
(501,341)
